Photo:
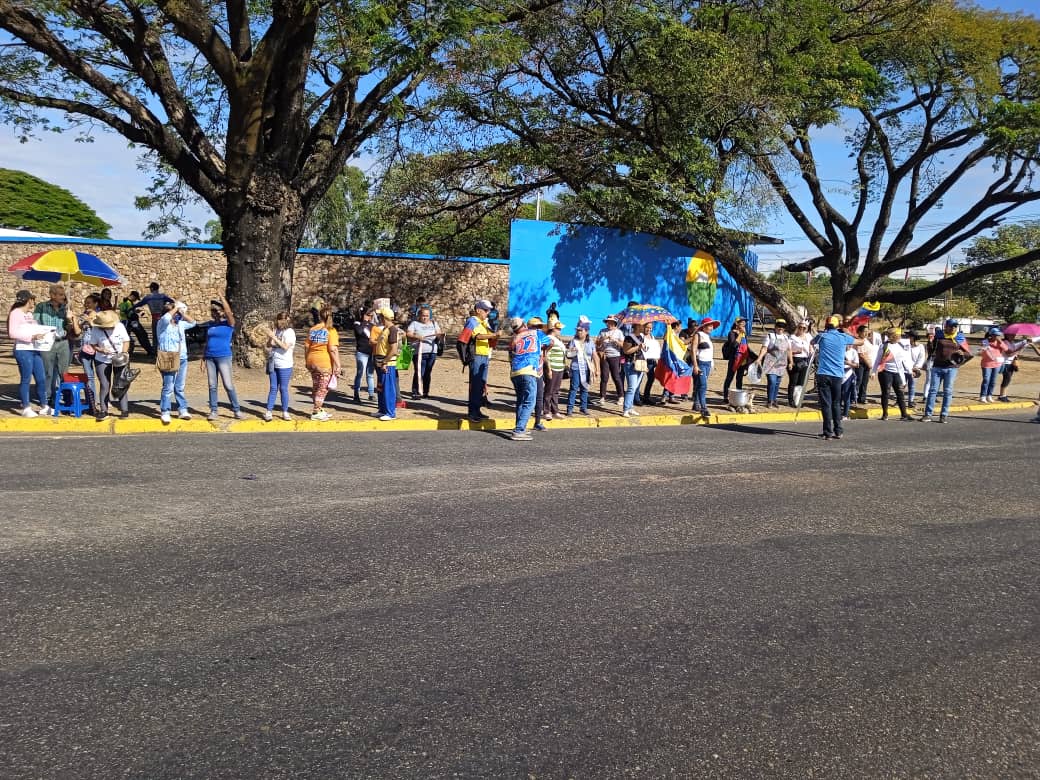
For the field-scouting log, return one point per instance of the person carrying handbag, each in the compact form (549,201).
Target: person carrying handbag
(172,359)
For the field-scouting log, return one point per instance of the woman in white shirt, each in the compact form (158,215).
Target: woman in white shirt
(108,337)
(652,353)
(423,333)
(849,381)
(282,342)
(891,365)
(918,358)
(801,355)
(703,358)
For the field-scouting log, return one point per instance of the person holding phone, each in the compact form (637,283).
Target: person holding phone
(171,332)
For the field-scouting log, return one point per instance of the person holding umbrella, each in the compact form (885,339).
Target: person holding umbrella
(27,334)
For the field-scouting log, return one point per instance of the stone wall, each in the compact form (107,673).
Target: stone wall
(196,274)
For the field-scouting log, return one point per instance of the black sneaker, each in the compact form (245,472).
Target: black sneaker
(943,418)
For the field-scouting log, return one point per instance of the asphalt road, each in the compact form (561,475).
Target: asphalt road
(671,602)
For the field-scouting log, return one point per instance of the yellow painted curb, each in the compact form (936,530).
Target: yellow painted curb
(60,426)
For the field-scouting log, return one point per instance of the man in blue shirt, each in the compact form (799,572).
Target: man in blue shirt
(831,345)
(156,302)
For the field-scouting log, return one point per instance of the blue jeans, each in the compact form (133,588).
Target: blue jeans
(426,370)
(947,377)
(30,368)
(221,366)
(700,385)
(772,388)
(387,392)
(577,387)
(911,385)
(849,388)
(173,385)
(364,367)
(829,388)
(90,375)
(478,371)
(989,380)
(633,379)
(279,383)
(526,390)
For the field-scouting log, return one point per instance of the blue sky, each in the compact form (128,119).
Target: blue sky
(104,174)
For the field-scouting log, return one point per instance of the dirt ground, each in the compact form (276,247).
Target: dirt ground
(449,390)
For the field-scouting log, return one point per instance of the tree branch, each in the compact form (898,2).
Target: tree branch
(900,297)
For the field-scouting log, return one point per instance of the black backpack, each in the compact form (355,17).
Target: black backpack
(467,350)
(729,350)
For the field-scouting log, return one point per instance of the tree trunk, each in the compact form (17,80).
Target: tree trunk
(260,243)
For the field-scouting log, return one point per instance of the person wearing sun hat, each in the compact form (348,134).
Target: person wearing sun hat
(703,361)
(830,370)
(108,337)
(608,345)
(555,362)
(891,366)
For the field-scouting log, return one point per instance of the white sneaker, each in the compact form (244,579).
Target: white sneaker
(983,399)
(385,418)
(28,412)
(321,416)
(165,417)
(286,416)
(634,412)
(989,399)
(185,415)
(267,417)
(627,414)
(45,410)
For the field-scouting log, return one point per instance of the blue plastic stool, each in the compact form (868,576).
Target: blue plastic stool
(75,390)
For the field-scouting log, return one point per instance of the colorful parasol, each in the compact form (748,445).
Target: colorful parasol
(643,313)
(65,265)
(1027,329)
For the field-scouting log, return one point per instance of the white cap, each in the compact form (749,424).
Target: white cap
(180,306)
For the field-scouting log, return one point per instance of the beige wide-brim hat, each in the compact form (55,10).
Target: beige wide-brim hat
(106,319)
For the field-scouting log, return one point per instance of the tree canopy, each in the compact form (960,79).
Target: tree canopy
(1007,295)
(698,122)
(29,203)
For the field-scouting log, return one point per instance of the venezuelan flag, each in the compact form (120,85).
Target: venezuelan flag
(674,373)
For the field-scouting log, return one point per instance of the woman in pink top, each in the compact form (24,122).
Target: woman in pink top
(993,352)
(26,334)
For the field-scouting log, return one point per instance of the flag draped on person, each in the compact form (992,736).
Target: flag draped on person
(674,373)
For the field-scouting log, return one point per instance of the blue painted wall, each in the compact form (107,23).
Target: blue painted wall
(596,271)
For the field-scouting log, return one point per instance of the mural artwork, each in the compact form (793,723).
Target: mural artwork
(597,271)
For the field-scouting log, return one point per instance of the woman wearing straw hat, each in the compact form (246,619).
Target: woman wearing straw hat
(109,338)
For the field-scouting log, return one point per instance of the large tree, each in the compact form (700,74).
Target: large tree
(1008,295)
(255,107)
(29,203)
(694,120)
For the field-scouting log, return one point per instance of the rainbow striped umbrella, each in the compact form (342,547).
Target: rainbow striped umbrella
(65,265)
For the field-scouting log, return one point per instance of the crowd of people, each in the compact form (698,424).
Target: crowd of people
(624,357)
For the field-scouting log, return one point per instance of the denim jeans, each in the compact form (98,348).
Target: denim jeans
(30,368)
(849,388)
(90,375)
(911,384)
(526,388)
(576,388)
(633,379)
(173,385)
(387,392)
(425,366)
(700,385)
(221,366)
(365,367)
(989,381)
(947,376)
(279,383)
(478,371)
(772,388)
(829,388)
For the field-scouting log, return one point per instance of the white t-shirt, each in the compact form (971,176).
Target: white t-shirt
(851,363)
(801,346)
(283,358)
(427,332)
(705,354)
(111,339)
(653,348)
(900,362)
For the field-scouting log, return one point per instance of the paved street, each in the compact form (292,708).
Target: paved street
(732,602)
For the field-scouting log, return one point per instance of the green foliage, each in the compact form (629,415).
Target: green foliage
(1008,295)
(33,204)
(344,217)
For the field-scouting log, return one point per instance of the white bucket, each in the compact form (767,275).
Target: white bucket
(739,397)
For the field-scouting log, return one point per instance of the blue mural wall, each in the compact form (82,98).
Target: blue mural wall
(597,271)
